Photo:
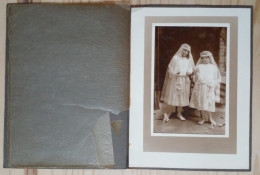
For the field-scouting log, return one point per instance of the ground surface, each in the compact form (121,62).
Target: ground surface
(190,125)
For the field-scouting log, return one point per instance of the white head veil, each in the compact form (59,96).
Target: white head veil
(218,76)
(172,67)
(188,48)
(207,54)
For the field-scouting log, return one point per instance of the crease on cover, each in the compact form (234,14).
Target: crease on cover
(103,139)
(114,111)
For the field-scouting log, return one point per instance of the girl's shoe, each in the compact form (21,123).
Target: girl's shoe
(201,122)
(165,118)
(181,118)
(213,123)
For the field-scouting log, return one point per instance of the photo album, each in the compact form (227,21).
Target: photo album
(119,86)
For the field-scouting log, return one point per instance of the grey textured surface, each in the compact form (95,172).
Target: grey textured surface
(120,144)
(103,142)
(68,65)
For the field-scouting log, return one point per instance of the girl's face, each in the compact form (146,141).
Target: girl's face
(185,52)
(205,59)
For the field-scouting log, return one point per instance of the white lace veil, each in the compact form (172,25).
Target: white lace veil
(167,84)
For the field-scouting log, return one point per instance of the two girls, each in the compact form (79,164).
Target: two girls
(176,88)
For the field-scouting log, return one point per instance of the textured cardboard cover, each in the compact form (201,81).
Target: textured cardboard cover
(67,66)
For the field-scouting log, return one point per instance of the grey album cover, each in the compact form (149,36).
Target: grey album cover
(67,86)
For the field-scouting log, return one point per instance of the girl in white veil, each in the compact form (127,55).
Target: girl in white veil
(176,88)
(206,91)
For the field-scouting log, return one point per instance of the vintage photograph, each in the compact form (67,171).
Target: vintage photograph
(190,80)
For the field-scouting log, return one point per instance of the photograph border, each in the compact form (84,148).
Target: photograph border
(175,144)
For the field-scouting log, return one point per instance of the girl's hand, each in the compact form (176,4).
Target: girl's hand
(195,70)
(188,73)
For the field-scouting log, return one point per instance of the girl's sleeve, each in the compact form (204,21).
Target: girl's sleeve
(216,78)
(172,68)
(195,76)
(191,66)
(217,87)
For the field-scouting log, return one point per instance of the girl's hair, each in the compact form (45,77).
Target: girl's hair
(188,55)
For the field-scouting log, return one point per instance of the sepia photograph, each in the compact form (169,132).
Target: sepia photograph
(190,80)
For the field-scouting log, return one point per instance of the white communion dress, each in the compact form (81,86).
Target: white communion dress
(205,92)
(176,88)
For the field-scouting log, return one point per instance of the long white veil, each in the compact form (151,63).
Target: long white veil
(172,66)
(179,54)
